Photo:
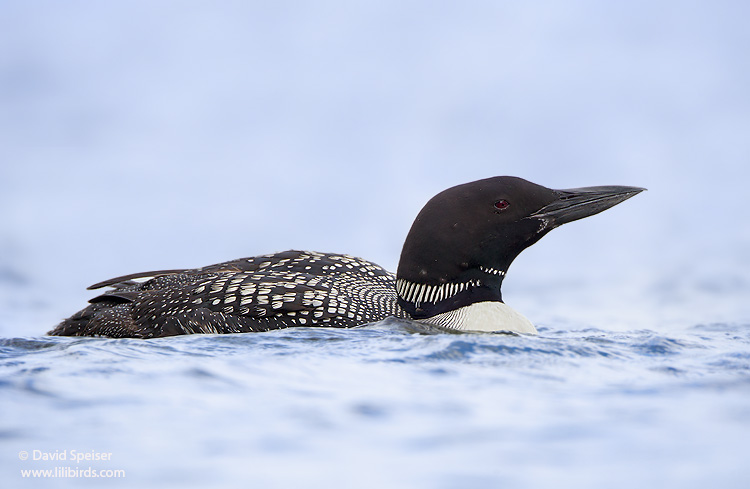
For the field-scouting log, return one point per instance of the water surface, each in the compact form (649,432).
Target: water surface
(386,405)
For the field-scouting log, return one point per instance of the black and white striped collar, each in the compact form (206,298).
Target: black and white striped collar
(423,300)
(417,293)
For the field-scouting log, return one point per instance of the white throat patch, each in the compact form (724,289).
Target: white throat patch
(483,316)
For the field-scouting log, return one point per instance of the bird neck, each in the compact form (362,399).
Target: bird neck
(428,298)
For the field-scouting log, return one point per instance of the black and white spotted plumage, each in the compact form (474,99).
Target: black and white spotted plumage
(292,288)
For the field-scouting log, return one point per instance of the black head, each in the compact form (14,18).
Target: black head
(465,238)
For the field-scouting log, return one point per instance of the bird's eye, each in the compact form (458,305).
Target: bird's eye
(502,204)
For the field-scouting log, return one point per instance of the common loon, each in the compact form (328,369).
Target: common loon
(452,266)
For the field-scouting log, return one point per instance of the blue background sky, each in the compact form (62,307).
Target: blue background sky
(149,135)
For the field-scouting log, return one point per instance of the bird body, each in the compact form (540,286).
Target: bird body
(452,266)
(281,290)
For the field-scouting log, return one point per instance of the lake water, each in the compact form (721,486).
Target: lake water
(386,405)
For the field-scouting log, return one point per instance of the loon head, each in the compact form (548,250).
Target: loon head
(464,239)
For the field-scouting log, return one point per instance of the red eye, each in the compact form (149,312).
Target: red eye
(502,204)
